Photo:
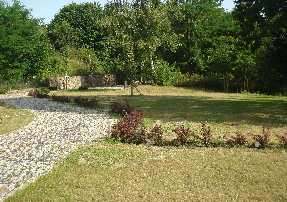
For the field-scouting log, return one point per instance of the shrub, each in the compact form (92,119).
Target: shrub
(264,138)
(182,135)
(129,129)
(238,140)
(83,88)
(121,108)
(283,140)
(39,93)
(52,88)
(43,91)
(156,135)
(86,102)
(3,91)
(61,98)
(205,133)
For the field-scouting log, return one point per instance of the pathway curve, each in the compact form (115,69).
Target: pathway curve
(56,131)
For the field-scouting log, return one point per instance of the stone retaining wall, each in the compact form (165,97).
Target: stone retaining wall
(74,82)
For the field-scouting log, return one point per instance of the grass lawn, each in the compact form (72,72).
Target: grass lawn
(223,112)
(13,119)
(122,172)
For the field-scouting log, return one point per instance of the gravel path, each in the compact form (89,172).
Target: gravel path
(56,131)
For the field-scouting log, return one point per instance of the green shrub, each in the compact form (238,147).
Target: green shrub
(83,88)
(52,88)
(3,91)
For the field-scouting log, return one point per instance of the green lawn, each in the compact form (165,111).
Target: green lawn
(123,172)
(173,106)
(12,119)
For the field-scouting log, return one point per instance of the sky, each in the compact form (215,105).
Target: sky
(48,8)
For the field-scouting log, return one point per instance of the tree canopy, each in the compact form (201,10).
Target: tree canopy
(151,40)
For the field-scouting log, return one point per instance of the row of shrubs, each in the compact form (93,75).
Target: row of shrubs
(130,130)
(86,102)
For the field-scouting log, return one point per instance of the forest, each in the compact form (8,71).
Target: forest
(175,42)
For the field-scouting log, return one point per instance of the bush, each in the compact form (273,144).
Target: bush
(206,136)
(3,91)
(61,98)
(121,108)
(283,140)
(129,129)
(86,102)
(238,140)
(52,88)
(182,135)
(83,88)
(264,138)
(39,93)
(156,135)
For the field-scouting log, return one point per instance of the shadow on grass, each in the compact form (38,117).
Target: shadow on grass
(229,110)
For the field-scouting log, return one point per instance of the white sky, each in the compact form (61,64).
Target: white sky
(48,8)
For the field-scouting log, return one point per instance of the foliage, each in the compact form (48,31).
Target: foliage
(182,135)
(83,88)
(128,130)
(25,50)
(120,108)
(3,91)
(156,135)
(61,98)
(264,138)
(86,102)
(283,140)
(206,135)
(238,140)
(39,93)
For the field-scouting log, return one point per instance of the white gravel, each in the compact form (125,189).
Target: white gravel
(56,131)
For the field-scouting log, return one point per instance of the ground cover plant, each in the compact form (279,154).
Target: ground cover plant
(128,172)
(12,119)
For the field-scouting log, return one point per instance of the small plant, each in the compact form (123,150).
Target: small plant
(83,88)
(129,129)
(206,136)
(283,140)
(86,102)
(61,98)
(156,135)
(238,140)
(39,93)
(121,108)
(52,88)
(182,135)
(3,91)
(264,138)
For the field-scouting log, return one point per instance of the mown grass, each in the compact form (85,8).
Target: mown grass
(223,112)
(13,119)
(123,172)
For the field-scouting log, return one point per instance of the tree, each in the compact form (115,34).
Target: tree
(24,48)
(136,32)
(77,26)
(263,24)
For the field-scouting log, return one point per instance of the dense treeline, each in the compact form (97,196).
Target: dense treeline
(166,42)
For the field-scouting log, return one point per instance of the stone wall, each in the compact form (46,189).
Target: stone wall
(74,82)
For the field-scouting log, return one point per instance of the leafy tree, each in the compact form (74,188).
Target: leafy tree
(136,32)
(263,25)
(24,48)
(77,26)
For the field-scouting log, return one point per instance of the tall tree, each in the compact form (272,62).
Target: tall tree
(24,48)
(139,30)
(263,26)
